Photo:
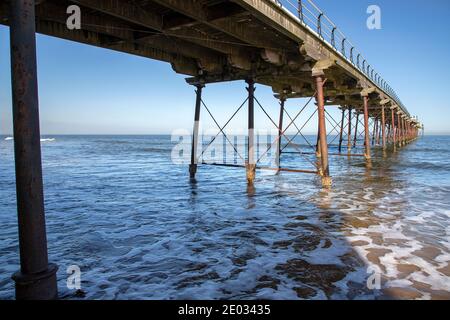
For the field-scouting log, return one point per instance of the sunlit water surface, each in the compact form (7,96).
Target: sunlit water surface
(139,229)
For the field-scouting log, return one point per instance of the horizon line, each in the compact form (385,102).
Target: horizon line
(168,134)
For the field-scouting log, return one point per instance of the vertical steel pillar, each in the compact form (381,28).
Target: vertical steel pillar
(378,131)
(399,125)
(341,133)
(326,179)
(36,278)
(407,130)
(366,127)
(388,131)
(194,160)
(280,131)
(403,131)
(394,129)
(405,126)
(355,138)
(374,132)
(410,130)
(318,152)
(349,133)
(383,127)
(251,164)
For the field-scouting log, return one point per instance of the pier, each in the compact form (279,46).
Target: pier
(291,46)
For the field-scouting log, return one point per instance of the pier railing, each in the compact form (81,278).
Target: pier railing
(312,17)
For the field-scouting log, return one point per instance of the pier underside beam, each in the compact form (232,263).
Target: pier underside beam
(36,278)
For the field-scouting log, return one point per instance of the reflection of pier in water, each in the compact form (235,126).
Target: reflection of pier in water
(299,55)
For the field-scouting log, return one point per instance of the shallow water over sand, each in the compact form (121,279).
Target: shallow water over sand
(118,208)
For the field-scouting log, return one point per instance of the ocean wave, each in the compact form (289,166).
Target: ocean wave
(42,139)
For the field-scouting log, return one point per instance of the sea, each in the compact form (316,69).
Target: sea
(123,213)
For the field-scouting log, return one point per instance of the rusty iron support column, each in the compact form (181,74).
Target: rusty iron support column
(402,130)
(377,131)
(195,132)
(410,131)
(349,133)
(394,129)
(366,127)
(391,132)
(341,133)
(383,127)
(402,126)
(251,164)
(280,132)
(374,131)
(37,277)
(399,126)
(318,153)
(405,123)
(407,130)
(325,171)
(388,131)
(355,138)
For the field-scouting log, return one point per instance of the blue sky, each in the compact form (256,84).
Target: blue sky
(86,90)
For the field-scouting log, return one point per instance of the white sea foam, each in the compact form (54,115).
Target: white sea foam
(42,139)
(155,236)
